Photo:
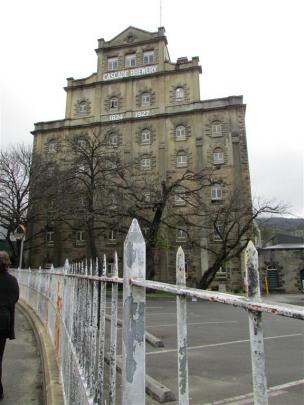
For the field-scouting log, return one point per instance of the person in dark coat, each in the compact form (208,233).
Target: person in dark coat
(9,295)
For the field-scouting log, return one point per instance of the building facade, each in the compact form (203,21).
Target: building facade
(151,108)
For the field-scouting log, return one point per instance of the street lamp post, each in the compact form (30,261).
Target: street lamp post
(19,234)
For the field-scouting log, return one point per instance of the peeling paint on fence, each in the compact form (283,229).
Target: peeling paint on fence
(71,301)
(133,345)
(182,343)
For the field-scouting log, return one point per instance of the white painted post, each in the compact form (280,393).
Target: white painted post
(113,342)
(133,343)
(101,341)
(255,328)
(182,340)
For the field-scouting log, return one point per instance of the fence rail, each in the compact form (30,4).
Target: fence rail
(71,301)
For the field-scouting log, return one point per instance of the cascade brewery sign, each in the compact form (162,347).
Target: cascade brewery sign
(130,72)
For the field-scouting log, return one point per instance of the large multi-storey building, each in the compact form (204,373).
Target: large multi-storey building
(150,107)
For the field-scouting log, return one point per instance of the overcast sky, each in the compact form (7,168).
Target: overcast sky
(248,47)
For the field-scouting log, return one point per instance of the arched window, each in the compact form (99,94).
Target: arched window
(146,99)
(216,129)
(180,133)
(114,103)
(179,93)
(181,160)
(216,192)
(218,156)
(83,107)
(145,137)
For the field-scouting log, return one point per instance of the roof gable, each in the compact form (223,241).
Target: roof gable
(133,35)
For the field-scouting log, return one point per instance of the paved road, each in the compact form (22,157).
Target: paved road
(219,353)
(22,379)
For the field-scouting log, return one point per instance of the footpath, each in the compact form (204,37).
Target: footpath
(22,376)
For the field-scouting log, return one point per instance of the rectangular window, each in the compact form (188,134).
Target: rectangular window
(130,60)
(80,237)
(52,147)
(218,157)
(147,197)
(216,130)
(50,237)
(216,193)
(112,63)
(181,235)
(148,58)
(81,143)
(181,161)
(146,164)
(218,232)
(180,198)
(145,137)
(145,99)
(112,236)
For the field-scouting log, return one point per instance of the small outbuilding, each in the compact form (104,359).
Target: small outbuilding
(282,267)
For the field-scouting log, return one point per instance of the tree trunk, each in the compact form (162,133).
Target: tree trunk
(208,276)
(150,262)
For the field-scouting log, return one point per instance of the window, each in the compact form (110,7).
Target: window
(112,236)
(181,235)
(147,197)
(83,107)
(148,58)
(50,171)
(114,102)
(81,143)
(145,163)
(180,197)
(145,99)
(216,192)
(52,147)
(179,93)
(50,237)
(218,232)
(112,201)
(181,160)
(80,237)
(130,60)
(218,156)
(145,137)
(113,140)
(180,133)
(113,63)
(216,129)
(80,168)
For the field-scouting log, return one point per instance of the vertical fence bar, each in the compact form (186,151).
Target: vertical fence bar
(133,343)
(182,340)
(101,341)
(255,329)
(94,329)
(113,341)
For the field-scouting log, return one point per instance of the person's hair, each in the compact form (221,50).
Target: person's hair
(4,261)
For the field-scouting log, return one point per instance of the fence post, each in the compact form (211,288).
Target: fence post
(133,344)
(113,341)
(255,328)
(182,341)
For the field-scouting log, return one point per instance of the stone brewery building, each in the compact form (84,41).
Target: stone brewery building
(152,109)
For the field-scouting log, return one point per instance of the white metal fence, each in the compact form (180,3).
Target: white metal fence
(71,301)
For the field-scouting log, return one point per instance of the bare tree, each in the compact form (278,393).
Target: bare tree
(98,191)
(15,168)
